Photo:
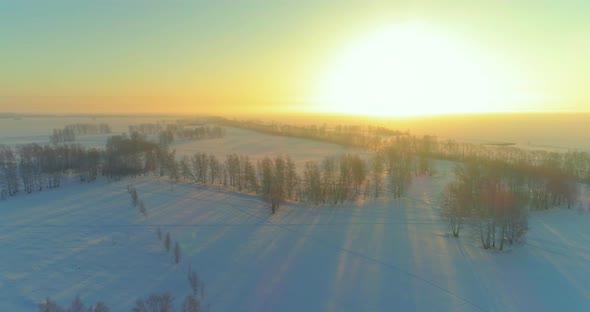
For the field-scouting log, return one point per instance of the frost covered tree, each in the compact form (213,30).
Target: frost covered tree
(377,173)
(214,169)
(142,209)
(139,306)
(271,181)
(50,306)
(312,182)
(195,283)
(160,302)
(454,206)
(77,305)
(155,303)
(168,241)
(177,255)
(191,304)
(134,197)
(100,307)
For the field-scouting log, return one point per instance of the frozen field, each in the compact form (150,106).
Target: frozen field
(369,255)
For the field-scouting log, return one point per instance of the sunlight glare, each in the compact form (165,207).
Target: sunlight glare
(412,69)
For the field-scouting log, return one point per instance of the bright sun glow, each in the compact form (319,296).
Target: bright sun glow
(412,69)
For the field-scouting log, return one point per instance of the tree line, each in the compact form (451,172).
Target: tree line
(551,171)
(332,180)
(32,167)
(167,133)
(69,132)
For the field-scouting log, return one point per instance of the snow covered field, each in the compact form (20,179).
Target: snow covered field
(369,255)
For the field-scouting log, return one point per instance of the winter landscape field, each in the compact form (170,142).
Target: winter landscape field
(278,156)
(367,254)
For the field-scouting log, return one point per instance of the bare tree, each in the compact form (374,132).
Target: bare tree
(139,306)
(142,208)
(167,241)
(100,307)
(50,306)
(195,283)
(134,197)
(312,182)
(454,206)
(160,302)
(177,254)
(191,304)
(77,305)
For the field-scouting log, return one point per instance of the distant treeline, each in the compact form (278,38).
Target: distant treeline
(572,164)
(346,135)
(181,130)
(69,132)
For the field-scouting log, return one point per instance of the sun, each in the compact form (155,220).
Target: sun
(413,69)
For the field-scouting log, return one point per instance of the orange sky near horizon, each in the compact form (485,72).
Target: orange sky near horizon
(294,57)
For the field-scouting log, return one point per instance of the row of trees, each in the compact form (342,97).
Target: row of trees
(539,163)
(332,180)
(33,167)
(69,132)
(169,132)
(156,302)
(348,135)
(76,306)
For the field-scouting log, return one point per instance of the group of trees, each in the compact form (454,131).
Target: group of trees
(180,130)
(167,240)
(494,197)
(332,180)
(493,202)
(275,179)
(69,132)
(76,306)
(134,155)
(164,302)
(32,167)
(547,165)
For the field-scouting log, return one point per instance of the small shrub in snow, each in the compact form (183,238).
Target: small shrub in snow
(142,208)
(77,305)
(139,306)
(50,306)
(161,302)
(168,242)
(100,307)
(176,253)
(134,198)
(191,304)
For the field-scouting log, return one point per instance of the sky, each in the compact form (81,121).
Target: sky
(223,56)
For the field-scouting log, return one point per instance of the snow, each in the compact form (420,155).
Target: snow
(382,254)
(368,255)
(256,146)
